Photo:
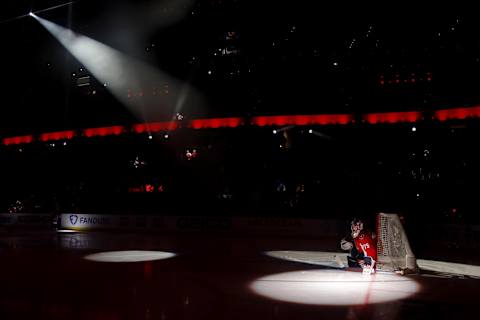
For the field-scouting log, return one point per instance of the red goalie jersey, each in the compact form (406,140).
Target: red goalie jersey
(366,244)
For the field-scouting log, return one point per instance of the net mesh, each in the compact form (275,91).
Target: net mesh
(394,252)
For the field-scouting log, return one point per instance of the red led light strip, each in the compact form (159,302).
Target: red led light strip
(17,140)
(458,113)
(216,123)
(155,127)
(55,136)
(392,117)
(104,131)
(302,120)
(281,120)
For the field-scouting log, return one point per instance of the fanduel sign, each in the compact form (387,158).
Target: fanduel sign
(85,221)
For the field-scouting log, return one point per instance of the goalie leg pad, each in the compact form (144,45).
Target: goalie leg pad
(353,262)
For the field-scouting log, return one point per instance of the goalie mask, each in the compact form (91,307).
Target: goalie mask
(357,227)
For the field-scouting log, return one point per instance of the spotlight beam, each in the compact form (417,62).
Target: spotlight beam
(121,74)
(15,18)
(53,8)
(33,13)
(285,128)
(322,135)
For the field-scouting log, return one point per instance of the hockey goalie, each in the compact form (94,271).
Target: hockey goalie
(362,246)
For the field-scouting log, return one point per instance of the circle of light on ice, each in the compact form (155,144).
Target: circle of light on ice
(334,287)
(129,256)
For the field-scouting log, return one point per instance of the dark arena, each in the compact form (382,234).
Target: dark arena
(228,159)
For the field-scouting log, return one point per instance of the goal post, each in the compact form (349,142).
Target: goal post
(393,248)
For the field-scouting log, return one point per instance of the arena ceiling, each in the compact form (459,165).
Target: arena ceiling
(245,59)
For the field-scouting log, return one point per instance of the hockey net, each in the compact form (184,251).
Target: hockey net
(394,252)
